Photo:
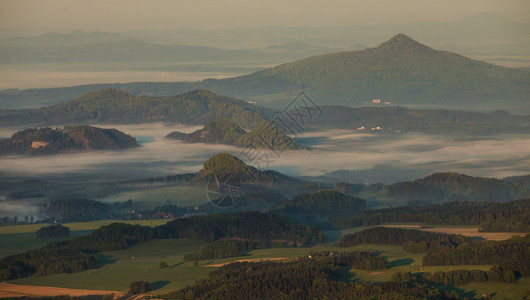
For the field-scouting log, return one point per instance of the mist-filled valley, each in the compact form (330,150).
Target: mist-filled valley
(329,156)
(279,150)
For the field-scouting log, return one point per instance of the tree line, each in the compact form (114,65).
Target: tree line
(77,255)
(513,216)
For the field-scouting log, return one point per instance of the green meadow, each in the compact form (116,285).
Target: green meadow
(117,269)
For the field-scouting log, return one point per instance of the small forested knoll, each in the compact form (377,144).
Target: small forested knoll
(53,231)
(224,131)
(304,278)
(115,106)
(218,131)
(76,255)
(513,216)
(66,139)
(411,240)
(444,187)
(224,166)
(319,208)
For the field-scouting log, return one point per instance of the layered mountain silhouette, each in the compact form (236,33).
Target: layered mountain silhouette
(401,71)
(112,105)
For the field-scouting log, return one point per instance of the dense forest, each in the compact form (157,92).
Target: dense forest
(320,208)
(304,278)
(69,138)
(513,216)
(77,254)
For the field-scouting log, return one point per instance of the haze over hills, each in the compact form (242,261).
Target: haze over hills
(111,105)
(401,70)
(201,107)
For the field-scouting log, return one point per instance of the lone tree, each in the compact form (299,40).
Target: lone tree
(53,231)
(139,287)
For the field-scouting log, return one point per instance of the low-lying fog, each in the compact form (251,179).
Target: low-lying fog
(330,151)
(333,155)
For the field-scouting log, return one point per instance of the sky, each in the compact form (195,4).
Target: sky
(123,15)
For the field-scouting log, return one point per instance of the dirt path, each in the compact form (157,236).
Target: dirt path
(19,290)
(249,260)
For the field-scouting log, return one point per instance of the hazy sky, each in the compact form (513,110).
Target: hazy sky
(106,15)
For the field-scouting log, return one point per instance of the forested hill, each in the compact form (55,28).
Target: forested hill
(224,166)
(224,131)
(66,139)
(320,208)
(444,187)
(116,106)
(400,70)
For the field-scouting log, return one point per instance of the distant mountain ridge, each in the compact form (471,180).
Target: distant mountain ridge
(401,70)
(112,105)
(200,107)
(443,187)
(66,139)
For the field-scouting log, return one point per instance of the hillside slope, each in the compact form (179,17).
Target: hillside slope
(401,70)
(116,106)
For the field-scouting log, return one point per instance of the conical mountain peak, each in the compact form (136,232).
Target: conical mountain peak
(402,43)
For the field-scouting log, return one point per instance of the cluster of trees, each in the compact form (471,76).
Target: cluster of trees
(232,248)
(411,240)
(76,210)
(74,255)
(319,208)
(507,255)
(53,231)
(491,216)
(139,287)
(253,226)
(54,258)
(301,279)
(362,260)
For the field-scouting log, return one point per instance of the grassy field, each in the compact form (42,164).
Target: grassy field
(119,268)
(21,242)
(141,262)
(92,225)
(19,238)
